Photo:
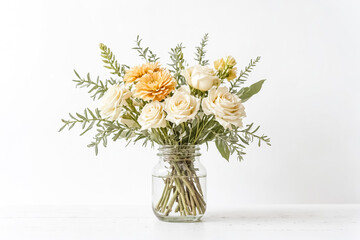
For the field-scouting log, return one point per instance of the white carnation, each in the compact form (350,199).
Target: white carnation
(152,116)
(181,106)
(226,107)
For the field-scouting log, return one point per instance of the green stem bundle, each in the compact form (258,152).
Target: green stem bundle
(182,186)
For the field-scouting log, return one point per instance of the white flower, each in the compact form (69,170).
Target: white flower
(113,100)
(226,107)
(181,106)
(201,77)
(152,116)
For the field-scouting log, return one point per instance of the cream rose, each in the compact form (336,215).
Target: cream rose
(152,116)
(113,100)
(181,106)
(226,107)
(200,77)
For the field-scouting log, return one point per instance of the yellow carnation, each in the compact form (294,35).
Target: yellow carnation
(232,74)
(225,67)
(219,64)
(135,73)
(226,62)
(230,61)
(155,86)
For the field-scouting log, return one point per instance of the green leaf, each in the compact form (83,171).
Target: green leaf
(90,127)
(118,134)
(97,113)
(72,125)
(91,113)
(62,127)
(223,148)
(96,150)
(247,92)
(80,116)
(77,74)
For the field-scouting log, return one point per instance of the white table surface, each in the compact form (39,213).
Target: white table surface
(137,222)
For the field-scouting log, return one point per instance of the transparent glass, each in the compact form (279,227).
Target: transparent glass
(179,184)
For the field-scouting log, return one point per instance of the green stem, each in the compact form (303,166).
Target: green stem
(181,192)
(192,192)
(171,203)
(182,186)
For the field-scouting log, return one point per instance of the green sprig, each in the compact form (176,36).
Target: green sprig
(243,75)
(97,88)
(111,63)
(200,51)
(178,62)
(146,54)
(87,120)
(250,135)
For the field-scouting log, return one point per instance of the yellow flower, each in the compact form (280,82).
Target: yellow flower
(225,68)
(230,61)
(155,86)
(222,63)
(232,74)
(219,64)
(135,73)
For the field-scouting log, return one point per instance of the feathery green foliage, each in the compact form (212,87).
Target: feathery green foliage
(250,135)
(87,120)
(177,58)
(243,75)
(146,54)
(107,129)
(200,51)
(110,61)
(235,140)
(97,88)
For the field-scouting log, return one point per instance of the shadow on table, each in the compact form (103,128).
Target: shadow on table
(262,215)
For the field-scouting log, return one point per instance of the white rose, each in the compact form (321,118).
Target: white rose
(226,107)
(113,100)
(181,106)
(152,116)
(200,77)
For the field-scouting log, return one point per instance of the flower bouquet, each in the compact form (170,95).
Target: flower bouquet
(178,108)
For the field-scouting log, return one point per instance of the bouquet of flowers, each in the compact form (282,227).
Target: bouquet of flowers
(174,105)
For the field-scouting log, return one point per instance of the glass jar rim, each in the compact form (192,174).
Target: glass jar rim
(180,145)
(184,151)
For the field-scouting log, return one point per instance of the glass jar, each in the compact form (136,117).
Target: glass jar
(179,184)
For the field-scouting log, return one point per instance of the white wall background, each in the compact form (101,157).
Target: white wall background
(309,105)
